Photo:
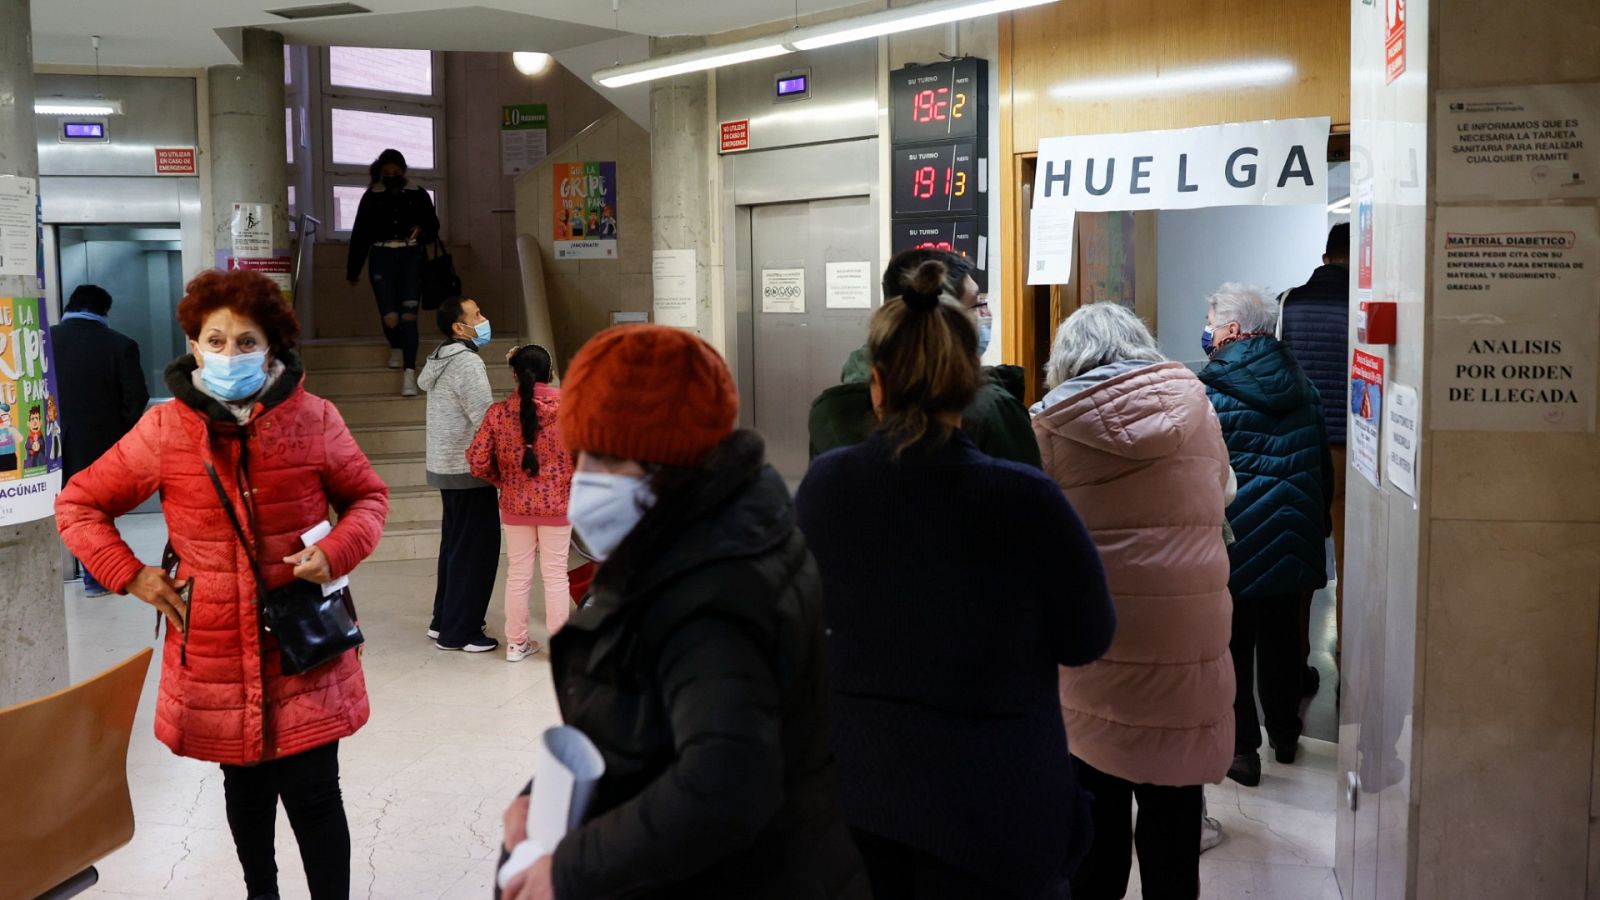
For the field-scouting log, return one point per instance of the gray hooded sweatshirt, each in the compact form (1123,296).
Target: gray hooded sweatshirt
(457,383)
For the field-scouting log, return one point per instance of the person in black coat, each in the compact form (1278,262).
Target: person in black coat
(697,664)
(956,585)
(101,386)
(394,224)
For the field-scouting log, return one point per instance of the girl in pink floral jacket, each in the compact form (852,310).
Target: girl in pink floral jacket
(518,450)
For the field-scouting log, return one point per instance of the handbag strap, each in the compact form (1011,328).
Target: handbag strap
(233,519)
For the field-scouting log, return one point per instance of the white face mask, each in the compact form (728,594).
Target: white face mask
(604,508)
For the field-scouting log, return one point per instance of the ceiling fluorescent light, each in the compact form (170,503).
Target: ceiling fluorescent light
(682,63)
(529,63)
(905,18)
(1258,73)
(77,107)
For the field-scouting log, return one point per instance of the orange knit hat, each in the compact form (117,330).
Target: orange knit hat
(650,394)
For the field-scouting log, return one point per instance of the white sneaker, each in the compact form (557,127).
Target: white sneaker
(520,652)
(396,359)
(408,383)
(1210,833)
(433,634)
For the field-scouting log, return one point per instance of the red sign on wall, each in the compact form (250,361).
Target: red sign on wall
(1394,17)
(736,136)
(175,161)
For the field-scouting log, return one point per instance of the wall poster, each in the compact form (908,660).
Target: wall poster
(30,423)
(1366,413)
(19,225)
(677,301)
(585,205)
(1401,438)
(1534,142)
(783,290)
(251,228)
(524,137)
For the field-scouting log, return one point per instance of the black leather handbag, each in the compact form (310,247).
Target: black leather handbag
(439,279)
(312,629)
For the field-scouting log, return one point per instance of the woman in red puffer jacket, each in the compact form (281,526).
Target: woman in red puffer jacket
(284,457)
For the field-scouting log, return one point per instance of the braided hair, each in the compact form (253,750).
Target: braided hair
(532,367)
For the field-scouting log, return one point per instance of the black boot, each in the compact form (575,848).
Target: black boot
(1246,769)
(1284,747)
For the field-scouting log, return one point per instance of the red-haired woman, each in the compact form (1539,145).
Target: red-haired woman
(284,457)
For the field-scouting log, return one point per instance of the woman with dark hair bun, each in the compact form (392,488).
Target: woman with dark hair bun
(518,450)
(944,640)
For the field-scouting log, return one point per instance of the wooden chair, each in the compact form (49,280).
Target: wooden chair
(64,763)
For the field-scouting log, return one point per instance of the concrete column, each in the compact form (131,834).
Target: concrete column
(33,620)
(684,178)
(247,162)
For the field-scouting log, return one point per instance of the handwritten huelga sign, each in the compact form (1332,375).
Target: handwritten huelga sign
(1276,163)
(30,421)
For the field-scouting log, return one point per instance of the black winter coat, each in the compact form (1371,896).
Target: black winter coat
(703,681)
(386,215)
(102,389)
(1316,326)
(1271,418)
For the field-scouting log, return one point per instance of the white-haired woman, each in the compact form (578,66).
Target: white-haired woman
(1132,440)
(1278,444)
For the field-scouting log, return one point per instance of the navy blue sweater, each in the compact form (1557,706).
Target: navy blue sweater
(955,584)
(1316,327)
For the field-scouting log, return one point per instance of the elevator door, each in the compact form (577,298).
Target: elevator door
(800,350)
(142,267)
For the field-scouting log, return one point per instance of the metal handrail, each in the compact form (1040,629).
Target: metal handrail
(307,230)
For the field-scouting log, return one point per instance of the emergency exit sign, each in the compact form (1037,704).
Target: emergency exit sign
(175,161)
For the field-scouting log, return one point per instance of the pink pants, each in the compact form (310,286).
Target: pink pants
(552,542)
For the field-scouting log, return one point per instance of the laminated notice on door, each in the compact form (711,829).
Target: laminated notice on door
(783,291)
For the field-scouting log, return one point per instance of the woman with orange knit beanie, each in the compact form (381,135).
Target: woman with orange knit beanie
(697,664)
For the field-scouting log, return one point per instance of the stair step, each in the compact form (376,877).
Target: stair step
(407,540)
(379,409)
(415,504)
(407,438)
(330,354)
(401,470)
(336,384)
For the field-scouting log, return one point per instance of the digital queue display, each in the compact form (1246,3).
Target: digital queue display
(937,178)
(938,101)
(964,237)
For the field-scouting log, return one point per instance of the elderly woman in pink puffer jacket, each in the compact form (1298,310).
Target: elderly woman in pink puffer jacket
(1136,446)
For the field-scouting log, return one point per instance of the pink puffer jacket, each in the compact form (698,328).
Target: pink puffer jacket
(1141,458)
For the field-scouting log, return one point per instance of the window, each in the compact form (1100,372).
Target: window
(359,135)
(384,71)
(288,131)
(347,199)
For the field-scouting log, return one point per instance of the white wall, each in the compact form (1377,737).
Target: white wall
(1275,247)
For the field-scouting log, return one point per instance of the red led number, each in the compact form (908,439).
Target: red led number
(927,178)
(931,106)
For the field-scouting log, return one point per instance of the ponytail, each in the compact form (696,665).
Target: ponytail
(532,367)
(925,351)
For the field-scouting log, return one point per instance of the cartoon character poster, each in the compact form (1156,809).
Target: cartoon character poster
(585,205)
(30,420)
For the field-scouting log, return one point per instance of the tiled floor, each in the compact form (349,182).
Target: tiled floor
(449,744)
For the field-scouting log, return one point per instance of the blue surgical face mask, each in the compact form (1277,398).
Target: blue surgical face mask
(1206,338)
(234,377)
(985,334)
(481,333)
(604,508)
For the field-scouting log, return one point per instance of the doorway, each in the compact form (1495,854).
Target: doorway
(142,267)
(802,331)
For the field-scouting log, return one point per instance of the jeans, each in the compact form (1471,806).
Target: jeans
(1267,647)
(469,560)
(552,543)
(396,274)
(1167,835)
(308,784)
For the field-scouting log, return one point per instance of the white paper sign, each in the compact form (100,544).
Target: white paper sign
(1532,142)
(1400,438)
(676,297)
(1500,260)
(252,230)
(1277,163)
(19,226)
(849,285)
(783,290)
(1050,245)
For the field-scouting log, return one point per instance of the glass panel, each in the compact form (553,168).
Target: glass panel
(371,68)
(347,198)
(288,131)
(288,64)
(359,136)
(142,267)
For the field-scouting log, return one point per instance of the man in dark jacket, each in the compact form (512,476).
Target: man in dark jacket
(101,383)
(1315,324)
(1272,420)
(997,421)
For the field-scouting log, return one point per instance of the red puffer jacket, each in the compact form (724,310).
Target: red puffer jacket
(224,696)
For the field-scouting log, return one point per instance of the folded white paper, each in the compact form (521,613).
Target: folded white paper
(322,530)
(564,777)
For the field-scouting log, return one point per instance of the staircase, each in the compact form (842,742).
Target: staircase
(391,430)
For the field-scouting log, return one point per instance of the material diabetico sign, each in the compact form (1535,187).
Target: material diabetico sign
(30,422)
(1276,163)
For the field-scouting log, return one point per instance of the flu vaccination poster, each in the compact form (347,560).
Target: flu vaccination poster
(585,205)
(30,422)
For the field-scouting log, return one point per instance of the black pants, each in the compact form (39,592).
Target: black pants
(396,274)
(1267,654)
(469,560)
(308,783)
(1168,838)
(898,872)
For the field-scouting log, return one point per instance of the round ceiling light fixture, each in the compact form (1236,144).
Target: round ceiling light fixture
(529,63)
